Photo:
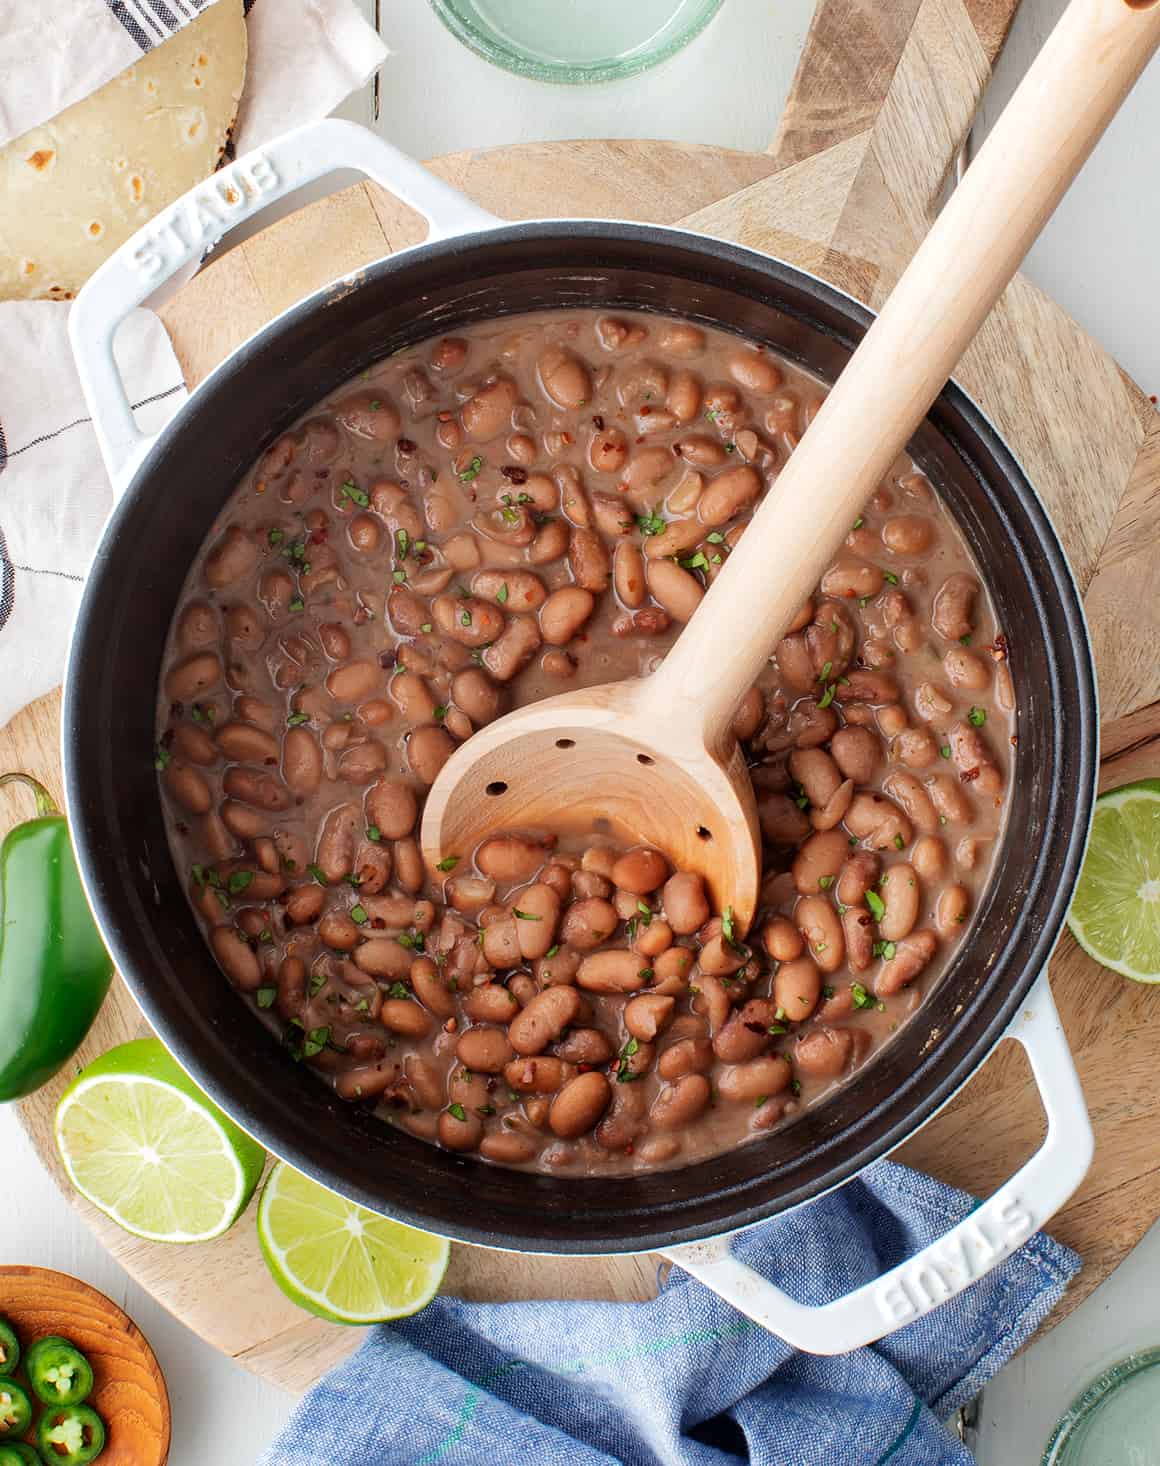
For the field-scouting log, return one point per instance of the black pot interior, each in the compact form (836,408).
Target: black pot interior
(140,902)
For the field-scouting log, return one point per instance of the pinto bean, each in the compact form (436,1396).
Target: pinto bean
(954,903)
(857,753)
(746,1033)
(953,806)
(564,378)
(819,860)
(428,749)
(679,592)
(612,971)
(353,681)
(263,791)
(952,614)
(755,373)
(966,670)
(625,1119)
(338,930)
(701,451)
(728,494)
(457,1134)
(973,758)
(197,626)
(189,788)
(537,911)
(196,674)
(514,649)
(589,561)
(823,1053)
(588,923)
(585,1046)
(383,957)
(628,575)
(507,1148)
(233,556)
(683,399)
(765,1076)
(901,896)
(392,808)
(432,990)
(911,955)
(640,871)
(680,338)
(908,534)
(929,858)
(538,1074)
(818,923)
(878,822)
(579,1105)
(906,790)
(680,1103)
(508,858)
(488,411)
(608,450)
(337,841)
(245,823)
(858,929)
(404,1017)
(797,986)
(850,577)
(301,761)
(916,748)
(782,823)
(544,1019)
(782,940)
(564,612)
(236,957)
(686,1056)
(484,1050)
(501,942)
(478,696)
(491,1002)
(470,621)
(749,716)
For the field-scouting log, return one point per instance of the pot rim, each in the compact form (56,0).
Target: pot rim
(1050,923)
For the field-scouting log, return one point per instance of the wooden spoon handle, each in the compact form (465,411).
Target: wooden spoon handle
(1069,95)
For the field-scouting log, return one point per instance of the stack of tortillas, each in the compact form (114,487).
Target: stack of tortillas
(75,188)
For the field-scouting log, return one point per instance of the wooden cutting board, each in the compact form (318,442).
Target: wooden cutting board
(883,99)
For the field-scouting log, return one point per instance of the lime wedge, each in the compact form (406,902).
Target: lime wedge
(141,1141)
(1115,914)
(340,1261)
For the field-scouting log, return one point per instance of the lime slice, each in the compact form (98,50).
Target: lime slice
(1115,915)
(340,1261)
(141,1141)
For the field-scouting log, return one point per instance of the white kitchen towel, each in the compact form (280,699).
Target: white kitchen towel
(305,57)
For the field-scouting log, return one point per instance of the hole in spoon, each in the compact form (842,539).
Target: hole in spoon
(703,833)
(565,743)
(497,786)
(643,758)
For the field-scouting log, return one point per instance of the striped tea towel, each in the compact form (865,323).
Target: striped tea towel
(305,57)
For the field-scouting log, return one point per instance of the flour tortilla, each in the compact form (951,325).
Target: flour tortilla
(74,189)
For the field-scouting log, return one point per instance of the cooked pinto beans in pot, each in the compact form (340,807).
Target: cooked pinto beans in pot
(486,519)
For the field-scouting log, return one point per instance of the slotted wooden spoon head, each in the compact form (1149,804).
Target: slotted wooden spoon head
(602,760)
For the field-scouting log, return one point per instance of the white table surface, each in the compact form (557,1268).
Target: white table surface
(1097,257)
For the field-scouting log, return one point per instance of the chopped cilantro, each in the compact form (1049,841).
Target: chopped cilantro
(876,904)
(650,523)
(525,915)
(275,537)
(374,834)
(825,882)
(945,751)
(727,923)
(472,470)
(398,990)
(886,950)
(358,914)
(316,872)
(899,843)
(695,562)
(297,604)
(502,594)
(295,720)
(552,950)
(266,997)
(827,696)
(350,490)
(426,627)
(317,983)
(889,575)
(977,717)
(862,998)
(858,523)
(238,881)
(449,862)
(162,759)
(315,1041)
(457,1112)
(716,538)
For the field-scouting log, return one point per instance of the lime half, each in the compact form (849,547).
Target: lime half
(340,1261)
(1115,915)
(141,1141)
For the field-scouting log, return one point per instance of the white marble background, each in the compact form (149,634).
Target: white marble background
(1097,256)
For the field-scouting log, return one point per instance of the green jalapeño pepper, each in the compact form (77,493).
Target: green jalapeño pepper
(54,970)
(16,1453)
(15,1409)
(9,1348)
(72,1435)
(58,1372)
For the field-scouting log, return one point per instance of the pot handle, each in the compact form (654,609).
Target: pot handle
(182,233)
(995,1229)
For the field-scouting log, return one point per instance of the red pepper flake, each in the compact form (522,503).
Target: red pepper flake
(629,1148)
(598,421)
(407,447)
(584,1068)
(318,536)
(969,775)
(444,416)
(514,474)
(999,648)
(645,411)
(1014,740)
(1152,399)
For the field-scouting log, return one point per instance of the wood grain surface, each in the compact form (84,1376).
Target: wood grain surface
(846,190)
(129,1390)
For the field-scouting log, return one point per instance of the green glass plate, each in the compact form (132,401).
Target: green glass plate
(574,41)
(1116,1421)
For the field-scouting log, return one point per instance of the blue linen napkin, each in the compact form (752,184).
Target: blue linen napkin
(685,1380)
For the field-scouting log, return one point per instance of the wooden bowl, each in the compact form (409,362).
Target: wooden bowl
(129,1393)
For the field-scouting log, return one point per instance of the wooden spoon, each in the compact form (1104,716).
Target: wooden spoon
(654,759)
